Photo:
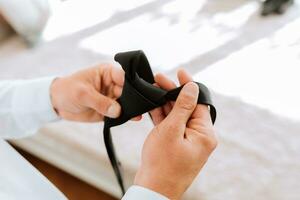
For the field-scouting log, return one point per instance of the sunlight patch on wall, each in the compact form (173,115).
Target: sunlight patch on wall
(166,45)
(184,10)
(237,17)
(75,15)
(265,73)
(171,35)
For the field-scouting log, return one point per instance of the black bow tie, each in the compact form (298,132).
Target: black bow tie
(139,96)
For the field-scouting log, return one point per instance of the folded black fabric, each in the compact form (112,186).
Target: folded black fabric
(140,96)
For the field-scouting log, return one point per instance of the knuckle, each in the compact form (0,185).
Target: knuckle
(171,126)
(81,91)
(210,143)
(208,140)
(186,102)
(169,130)
(104,104)
(157,130)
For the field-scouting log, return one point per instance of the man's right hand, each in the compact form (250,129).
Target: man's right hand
(180,143)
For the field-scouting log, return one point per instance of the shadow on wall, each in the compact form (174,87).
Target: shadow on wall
(68,57)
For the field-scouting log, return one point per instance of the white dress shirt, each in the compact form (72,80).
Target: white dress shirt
(24,107)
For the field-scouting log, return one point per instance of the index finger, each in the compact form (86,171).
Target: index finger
(201,110)
(117,75)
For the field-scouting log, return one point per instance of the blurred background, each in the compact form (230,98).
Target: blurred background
(250,62)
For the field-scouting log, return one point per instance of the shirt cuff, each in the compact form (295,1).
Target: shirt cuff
(137,192)
(32,105)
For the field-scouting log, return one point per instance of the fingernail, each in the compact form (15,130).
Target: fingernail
(114,110)
(191,89)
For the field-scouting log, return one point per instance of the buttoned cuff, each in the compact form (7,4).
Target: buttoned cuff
(32,104)
(137,193)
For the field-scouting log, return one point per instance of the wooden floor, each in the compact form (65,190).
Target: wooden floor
(72,187)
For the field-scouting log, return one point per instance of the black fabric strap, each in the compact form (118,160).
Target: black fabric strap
(140,96)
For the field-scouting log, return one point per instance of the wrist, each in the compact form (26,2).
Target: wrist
(54,91)
(167,187)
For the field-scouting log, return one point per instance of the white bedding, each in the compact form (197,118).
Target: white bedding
(240,56)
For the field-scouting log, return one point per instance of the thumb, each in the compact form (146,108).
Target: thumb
(185,105)
(104,105)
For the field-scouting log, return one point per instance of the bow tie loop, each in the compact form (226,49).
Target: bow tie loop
(139,96)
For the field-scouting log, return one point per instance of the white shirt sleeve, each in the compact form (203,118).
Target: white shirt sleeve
(137,193)
(25,105)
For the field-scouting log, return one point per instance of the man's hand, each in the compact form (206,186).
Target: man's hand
(180,143)
(89,95)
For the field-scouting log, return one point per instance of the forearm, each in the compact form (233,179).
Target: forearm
(25,106)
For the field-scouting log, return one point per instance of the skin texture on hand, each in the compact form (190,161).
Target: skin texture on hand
(175,150)
(89,95)
(180,143)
